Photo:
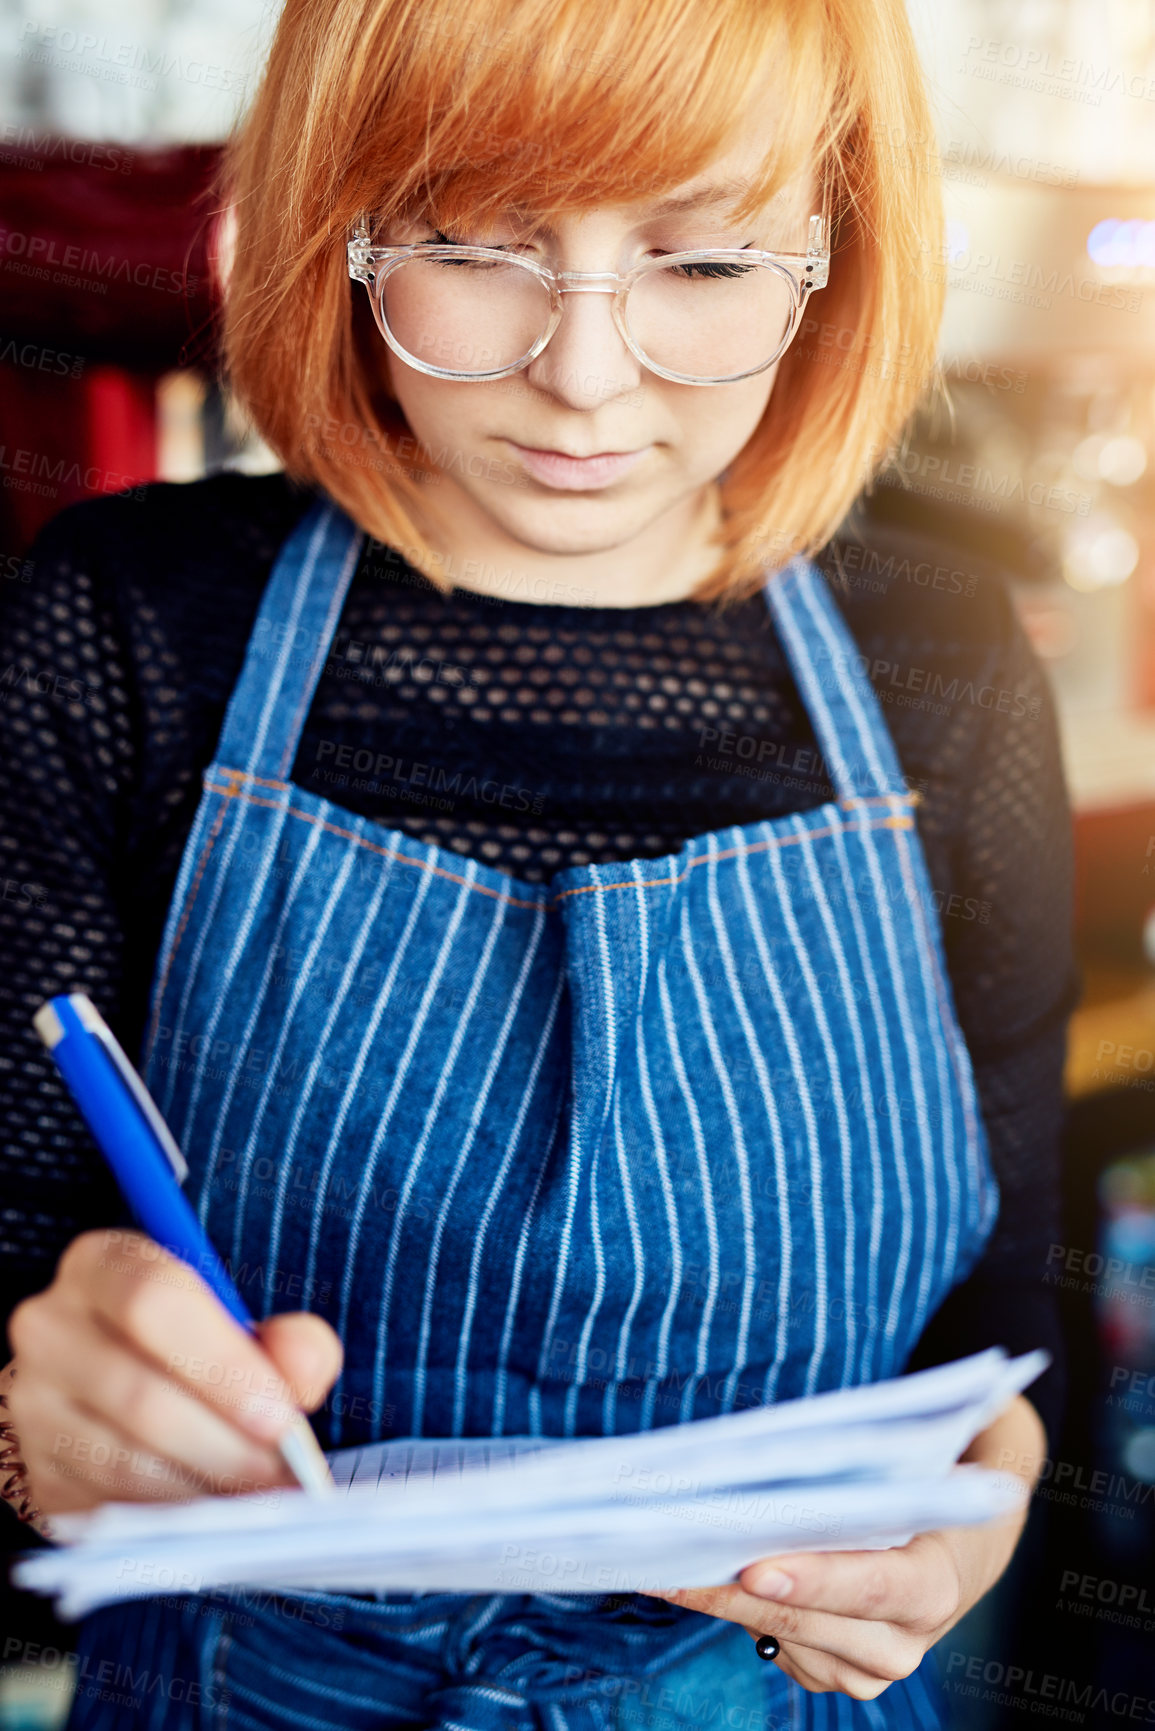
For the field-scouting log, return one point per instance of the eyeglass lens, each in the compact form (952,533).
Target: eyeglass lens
(708,320)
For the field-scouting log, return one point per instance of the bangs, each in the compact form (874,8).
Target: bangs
(559,108)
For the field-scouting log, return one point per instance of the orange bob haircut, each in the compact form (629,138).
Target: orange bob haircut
(560,105)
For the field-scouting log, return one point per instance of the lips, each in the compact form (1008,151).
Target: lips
(576,474)
(574,456)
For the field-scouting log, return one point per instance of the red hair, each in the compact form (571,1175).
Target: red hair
(379,104)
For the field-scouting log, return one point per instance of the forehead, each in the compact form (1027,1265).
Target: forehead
(733,184)
(736,178)
(713,198)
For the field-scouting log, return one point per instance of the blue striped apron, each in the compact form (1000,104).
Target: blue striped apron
(656,1140)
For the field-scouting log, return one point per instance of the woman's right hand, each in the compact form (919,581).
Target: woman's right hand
(131,1382)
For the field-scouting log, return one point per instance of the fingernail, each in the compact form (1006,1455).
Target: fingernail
(773,1584)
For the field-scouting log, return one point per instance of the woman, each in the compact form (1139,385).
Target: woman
(569,1024)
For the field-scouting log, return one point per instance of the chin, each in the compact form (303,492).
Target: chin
(558,544)
(575,523)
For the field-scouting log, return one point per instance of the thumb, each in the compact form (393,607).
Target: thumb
(307,1353)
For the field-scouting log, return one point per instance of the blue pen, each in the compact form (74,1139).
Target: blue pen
(150,1169)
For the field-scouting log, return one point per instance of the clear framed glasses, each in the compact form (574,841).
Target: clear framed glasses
(706,317)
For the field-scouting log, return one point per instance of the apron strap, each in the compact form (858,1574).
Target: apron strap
(844,710)
(290,642)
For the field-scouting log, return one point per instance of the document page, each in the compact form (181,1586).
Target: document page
(682,1506)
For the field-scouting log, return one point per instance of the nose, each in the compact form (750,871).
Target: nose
(585,361)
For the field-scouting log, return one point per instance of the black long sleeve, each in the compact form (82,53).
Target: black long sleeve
(1014,983)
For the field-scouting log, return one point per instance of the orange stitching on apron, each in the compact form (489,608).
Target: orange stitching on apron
(234,791)
(753,847)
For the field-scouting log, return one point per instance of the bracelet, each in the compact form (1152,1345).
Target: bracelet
(17,1471)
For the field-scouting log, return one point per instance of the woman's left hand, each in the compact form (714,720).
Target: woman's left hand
(857,1621)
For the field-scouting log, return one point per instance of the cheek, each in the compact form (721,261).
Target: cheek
(719,428)
(437,409)
(749,407)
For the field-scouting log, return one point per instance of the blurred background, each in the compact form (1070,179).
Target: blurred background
(111,116)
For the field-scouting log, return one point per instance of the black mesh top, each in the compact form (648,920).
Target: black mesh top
(529,734)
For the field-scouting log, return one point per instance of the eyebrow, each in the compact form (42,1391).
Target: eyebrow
(728,190)
(723,191)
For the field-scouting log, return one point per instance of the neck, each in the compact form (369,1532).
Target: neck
(663,563)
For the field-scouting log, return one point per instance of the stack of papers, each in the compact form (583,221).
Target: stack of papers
(683,1506)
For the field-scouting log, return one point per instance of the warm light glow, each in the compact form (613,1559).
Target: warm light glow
(1099,554)
(1120,458)
(1123,460)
